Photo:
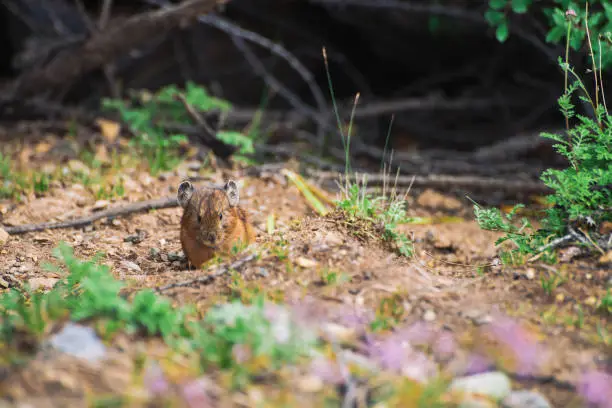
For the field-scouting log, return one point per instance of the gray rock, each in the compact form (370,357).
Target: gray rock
(525,399)
(79,341)
(495,385)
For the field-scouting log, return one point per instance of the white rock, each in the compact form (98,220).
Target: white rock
(525,399)
(495,385)
(79,341)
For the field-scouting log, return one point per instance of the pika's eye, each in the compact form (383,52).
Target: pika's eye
(220,216)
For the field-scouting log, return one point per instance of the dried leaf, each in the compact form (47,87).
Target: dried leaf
(109,129)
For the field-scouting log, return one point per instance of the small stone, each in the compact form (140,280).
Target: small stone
(79,341)
(338,333)
(530,273)
(4,284)
(162,242)
(567,254)
(310,383)
(429,316)
(263,272)
(4,237)
(136,238)
(478,317)
(45,283)
(77,166)
(131,266)
(495,385)
(154,252)
(100,205)
(525,399)
(605,258)
(173,256)
(305,262)
(591,300)
(164,176)
(194,165)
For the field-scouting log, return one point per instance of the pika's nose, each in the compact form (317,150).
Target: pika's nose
(212,237)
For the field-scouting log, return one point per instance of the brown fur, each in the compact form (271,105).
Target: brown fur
(234,229)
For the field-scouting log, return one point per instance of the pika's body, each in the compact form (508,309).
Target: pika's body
(212,221)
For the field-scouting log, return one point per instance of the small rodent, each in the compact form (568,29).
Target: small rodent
(212,221)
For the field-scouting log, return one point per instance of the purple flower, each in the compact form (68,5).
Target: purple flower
(526,350)
(477,364)
(419,333)
(195,393)
(596,388)
(155,380)
(395,354)
(444,345)
(327,370)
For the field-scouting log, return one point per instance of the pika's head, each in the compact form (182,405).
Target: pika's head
(208,212)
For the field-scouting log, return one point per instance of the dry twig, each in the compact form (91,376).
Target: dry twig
(221,270)
(155,204)
(105,46)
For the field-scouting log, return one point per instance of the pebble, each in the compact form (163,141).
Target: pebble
(530,273)
(45,283)
(263,272)
(493,384)
(79,341)
(429,316)
(305,262)
(525,399)
(100,205)
(173,256)
(154,252)
(4,237)
(131,266)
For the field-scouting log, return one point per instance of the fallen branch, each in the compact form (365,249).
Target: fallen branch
(221,270)
(442,181)
(159,203)
(107,45)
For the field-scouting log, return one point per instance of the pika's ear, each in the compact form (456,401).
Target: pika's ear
(185,191)
(231,189)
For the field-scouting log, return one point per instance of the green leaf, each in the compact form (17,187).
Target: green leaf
(555,34)
(497,4)
(502,32)
(520,6)
(494,17)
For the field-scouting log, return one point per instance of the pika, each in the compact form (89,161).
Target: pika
(212,221)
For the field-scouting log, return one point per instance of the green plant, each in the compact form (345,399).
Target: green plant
(385,211)
(332,278)
(564,18)
(605,304)
(581,191)
(170,104)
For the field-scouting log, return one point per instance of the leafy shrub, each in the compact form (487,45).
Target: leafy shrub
(582,191)
(563,17)
(159,149)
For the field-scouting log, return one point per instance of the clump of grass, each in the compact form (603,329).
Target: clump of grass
(582,197)
(386,211)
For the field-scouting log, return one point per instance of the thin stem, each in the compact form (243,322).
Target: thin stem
(603,94)
(567,42)
(588,32)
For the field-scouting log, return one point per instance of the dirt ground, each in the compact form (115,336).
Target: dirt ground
(450,283)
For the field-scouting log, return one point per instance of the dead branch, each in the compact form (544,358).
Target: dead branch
(206,279)
(105,46)
(158,203)
(442,181)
